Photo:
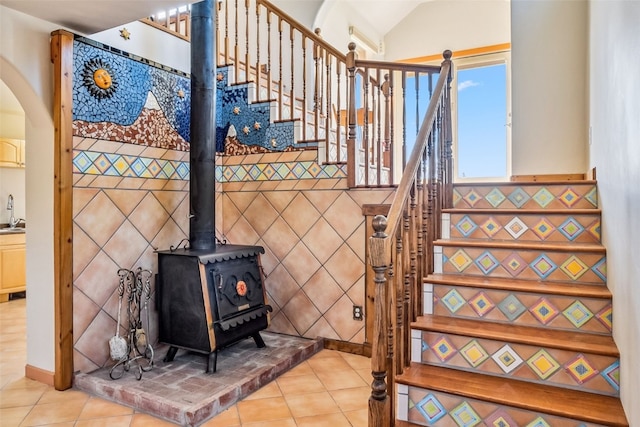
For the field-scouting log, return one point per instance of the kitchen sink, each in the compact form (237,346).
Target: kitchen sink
(15,230)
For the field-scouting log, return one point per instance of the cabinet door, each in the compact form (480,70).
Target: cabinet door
(11,152)
(14,267)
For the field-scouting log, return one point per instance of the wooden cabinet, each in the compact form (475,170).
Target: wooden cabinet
(12,153)
(13,265)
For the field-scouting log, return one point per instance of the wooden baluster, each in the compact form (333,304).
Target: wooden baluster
(258,64)
(339,129)
(217,30)
(280,87)
(362,125)
(269,79)
(292,96)
(304,88)
(352,155)
(404,119)
(379,406)
(247,63)
(417,87)
(327,117)
(392,137)
(327,96)
(449,136)
(226,32)
(387,122)
(317,55)
(418,307)
(236,54)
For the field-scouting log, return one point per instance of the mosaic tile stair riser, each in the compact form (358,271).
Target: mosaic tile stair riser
(545,288)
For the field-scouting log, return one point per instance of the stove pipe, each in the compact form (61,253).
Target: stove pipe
(203,129)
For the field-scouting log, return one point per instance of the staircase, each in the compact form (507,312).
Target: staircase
(517,317)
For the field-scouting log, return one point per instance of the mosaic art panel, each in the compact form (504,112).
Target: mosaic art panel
(538,196)
(524,308)
(563,368)
(432,408)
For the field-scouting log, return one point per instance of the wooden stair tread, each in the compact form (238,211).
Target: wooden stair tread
(519,245)
(523,183)
(574,404)
(579,342)
(522,285)
(485,211)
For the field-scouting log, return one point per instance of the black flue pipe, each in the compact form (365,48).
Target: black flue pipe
(203,128)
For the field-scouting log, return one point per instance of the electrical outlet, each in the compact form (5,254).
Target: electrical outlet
(357,312)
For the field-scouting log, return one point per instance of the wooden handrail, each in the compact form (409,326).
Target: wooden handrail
(401,247)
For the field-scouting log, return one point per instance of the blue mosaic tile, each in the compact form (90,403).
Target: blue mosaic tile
(431,409)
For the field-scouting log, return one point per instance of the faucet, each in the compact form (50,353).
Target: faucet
(13,222)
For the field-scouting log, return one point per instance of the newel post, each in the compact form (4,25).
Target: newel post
(379,406)
(352,156)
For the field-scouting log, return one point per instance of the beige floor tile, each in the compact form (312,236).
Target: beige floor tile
(270,390)
(351,399)
(289,422)
(300,385)
(228,418)
(302,369)
(273,408)
(12,417)
(341,380)
(119,421)
(312,404)
(146,420)
(359,418)
(329,364)
(357,361)
(51,413)
(332,420)
(99,408)
(66,396)
(19,397)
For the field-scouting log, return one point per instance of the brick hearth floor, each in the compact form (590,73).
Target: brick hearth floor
(327,388)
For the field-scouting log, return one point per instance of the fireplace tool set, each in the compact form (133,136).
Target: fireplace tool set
(134,351)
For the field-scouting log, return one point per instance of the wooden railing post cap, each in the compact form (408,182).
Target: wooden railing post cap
(351,47)
(379,225)
(447,54)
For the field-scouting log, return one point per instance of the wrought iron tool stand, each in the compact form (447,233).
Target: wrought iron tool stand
(139,354)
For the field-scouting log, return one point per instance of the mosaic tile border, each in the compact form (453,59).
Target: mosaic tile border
(434,408)
(111,164)
(550,196)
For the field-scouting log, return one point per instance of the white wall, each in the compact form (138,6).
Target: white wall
(438,25)
(25,68)
(615,152)
(549,86)
(12,180)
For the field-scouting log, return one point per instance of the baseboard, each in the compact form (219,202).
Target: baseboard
(348,347)
(548,177)
(40,375)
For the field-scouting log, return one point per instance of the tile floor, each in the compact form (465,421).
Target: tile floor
(328,389)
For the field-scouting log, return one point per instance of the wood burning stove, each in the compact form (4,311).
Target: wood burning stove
(209,295)
(208,299)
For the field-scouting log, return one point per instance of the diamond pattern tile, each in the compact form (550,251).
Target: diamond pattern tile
(605,316)
(592,197)
(578,314)
(431,409)
(507,359)
(481,304)
(544,311)
(460,260)
(600,269)
(453,300)
(518,197)
(466,226)
(571,229)
(543,364)
(581,369)
(495,197)
(538,422)
(543,197)
(487,262)
(500,418)
(514,264)
(543,266)
(612,375)
(574,267)
(543,229)
(472,198)
(465,416)
(594,229)
(511,307)
(443,349)
(516,227)
(569,197)
(490,227)
(474,354)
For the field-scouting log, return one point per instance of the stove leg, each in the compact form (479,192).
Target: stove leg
(258,339)
(212,362)
(171,353)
